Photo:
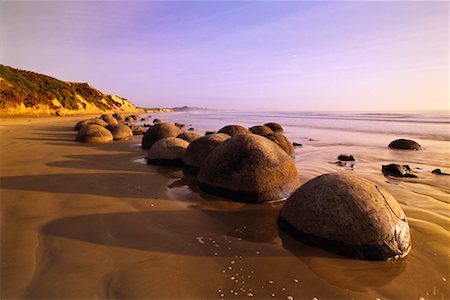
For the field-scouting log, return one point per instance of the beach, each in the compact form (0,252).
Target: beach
(85,221)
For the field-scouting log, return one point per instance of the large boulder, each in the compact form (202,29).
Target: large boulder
(199,149)
(189,136)
(249,168)
(118,117)
(233,130)
(347,215)
(82,123)
(405,144)
(167,151)
(261,130)
(159,131)
(121,132)
(282,141)
(110,120)
(93,133)
(275,127)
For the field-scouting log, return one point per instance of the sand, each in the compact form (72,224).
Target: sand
(94,221)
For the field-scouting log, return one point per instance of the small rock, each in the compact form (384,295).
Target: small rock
(397,171)
(346,157)
(439,172)
(297,145)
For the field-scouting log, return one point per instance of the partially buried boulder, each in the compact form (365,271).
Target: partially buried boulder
(110,120)
(199,149)
(275,127)
(167,151)
(93,133)
(82,123)
(189,136)
(283,142)
(405,144)
(261,130)
(159,131)
(397,171)
(347,215)
(121,132)
(233,130)
(346,157)
(249,168)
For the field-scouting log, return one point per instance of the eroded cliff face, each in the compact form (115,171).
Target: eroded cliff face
(29,93)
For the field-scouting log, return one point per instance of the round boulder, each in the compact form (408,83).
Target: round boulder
(93,133)
(248,168)
(233,130)
(349,216)
(159,131)
(82,123)
(283,142)
(199,149)
(405,144)
(189,136)
(167,151)
(275,127)
(110,120)
(121,132)
(118,117)
(261,130)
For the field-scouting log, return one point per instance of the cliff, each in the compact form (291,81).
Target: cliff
(30,93)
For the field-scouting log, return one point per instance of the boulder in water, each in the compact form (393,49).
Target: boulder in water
(282,141)
(159,131)
(167,151)
(248,168)
(275,127)
(439,172)
(346,157)
(233,130)
(397,171)
(405,144)
(347,215)
(93,133)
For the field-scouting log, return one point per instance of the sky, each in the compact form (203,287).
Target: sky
(261,55)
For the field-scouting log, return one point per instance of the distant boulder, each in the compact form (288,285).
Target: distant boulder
(110,120)
(296,145)
(199,149)
(129,119)
(82,123)
(261,130)
(248,168)
(283,142)
(136,117)
(93,133)
(159,131)
(275,127)
(405,144)
(439,172)
(61,112)
(121,132)
(349,216)
(167,151)
(156,121)
(118,117)
(233,130)
(397,171)
(346,157)
(189,136)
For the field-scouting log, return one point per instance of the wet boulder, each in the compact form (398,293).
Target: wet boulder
(93,133)
(248,168)
(349,216)
(282,141)
(261,130)
(405,144)
(189,136)
(397,171)
(275,127)
(346,157)
(439,172)
(198,150)
(110,120)
(82,123)
(233,130)
(159,131)
(167,151)
(121,132)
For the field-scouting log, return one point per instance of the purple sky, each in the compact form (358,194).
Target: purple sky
(297,55)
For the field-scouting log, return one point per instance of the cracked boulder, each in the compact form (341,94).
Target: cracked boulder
(349,216)
(248,168)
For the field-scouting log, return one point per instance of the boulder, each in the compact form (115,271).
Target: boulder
(233,130)
(159,131)
(297,145)
(261,130)
(179,125)
(275,127)
(397,171)
(189,136)
(61,112)
(439,172)
(248,168)
(137,131)
(346,157)
(282,142)
(405,144)
(118,117)
(121,132)
(129,119)
(82,123)
(110,120)
(349,216)
(199,149)
(167,151)
(136,117)
(93,133)
(156,121)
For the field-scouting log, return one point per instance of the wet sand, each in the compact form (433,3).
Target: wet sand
(93,221)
